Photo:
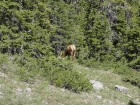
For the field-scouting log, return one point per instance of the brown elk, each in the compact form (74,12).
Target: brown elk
(70,51)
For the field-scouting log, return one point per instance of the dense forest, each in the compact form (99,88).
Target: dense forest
(102,30)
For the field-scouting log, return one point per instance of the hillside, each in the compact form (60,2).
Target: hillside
(14,91)
(33,33)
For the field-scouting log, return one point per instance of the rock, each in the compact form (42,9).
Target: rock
(138,101)
(45,102)
(111,102)
(62,89)
(96,84)
(99,97)
(1,95)
(106,88)
(18,91)
(121,88)
(3,75)
(129,96)
(28,90)
(85,101)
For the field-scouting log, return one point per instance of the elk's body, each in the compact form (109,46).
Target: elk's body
(70,51)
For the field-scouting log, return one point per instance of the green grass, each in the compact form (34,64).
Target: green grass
(14,90)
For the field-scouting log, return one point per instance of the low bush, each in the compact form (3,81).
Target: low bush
(28,69)
(59,72)
(119,67)
(133,78)
(89,63)
(62,74)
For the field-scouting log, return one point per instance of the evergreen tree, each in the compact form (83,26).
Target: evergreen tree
(25,28)
(99,29)
(63,18)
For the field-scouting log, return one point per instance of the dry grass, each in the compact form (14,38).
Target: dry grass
(16,92)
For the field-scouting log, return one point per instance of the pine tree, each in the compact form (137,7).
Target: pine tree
(24,28)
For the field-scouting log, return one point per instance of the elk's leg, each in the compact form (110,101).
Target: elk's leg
(73,55)
(68,57)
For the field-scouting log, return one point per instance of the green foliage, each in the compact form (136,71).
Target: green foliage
(24,28)
(119,67)
(101,28)
(103,31)
(3,63)
(62,74)
(29,68)
(59,73)
(133,78)
(89,63)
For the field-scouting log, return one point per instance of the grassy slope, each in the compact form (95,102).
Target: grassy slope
(16,92)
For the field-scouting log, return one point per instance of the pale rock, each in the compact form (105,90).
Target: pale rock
(19,91)
(111,102)
(99,97)
(45,102)
(96,84)
(1,95)
(121,88)
(106,88)
(62,89)
(138,101)
(129,96)
(3,75)
(28,90)
(85,101)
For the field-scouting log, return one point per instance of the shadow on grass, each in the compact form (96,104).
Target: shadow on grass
(131,103)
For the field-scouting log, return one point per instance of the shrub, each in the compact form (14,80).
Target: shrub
(59,72)
(89,63)
(118,67)
(62,74)
(28,69)
(133,78)
(3,62)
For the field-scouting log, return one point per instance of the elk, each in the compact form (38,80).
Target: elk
(70,51)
